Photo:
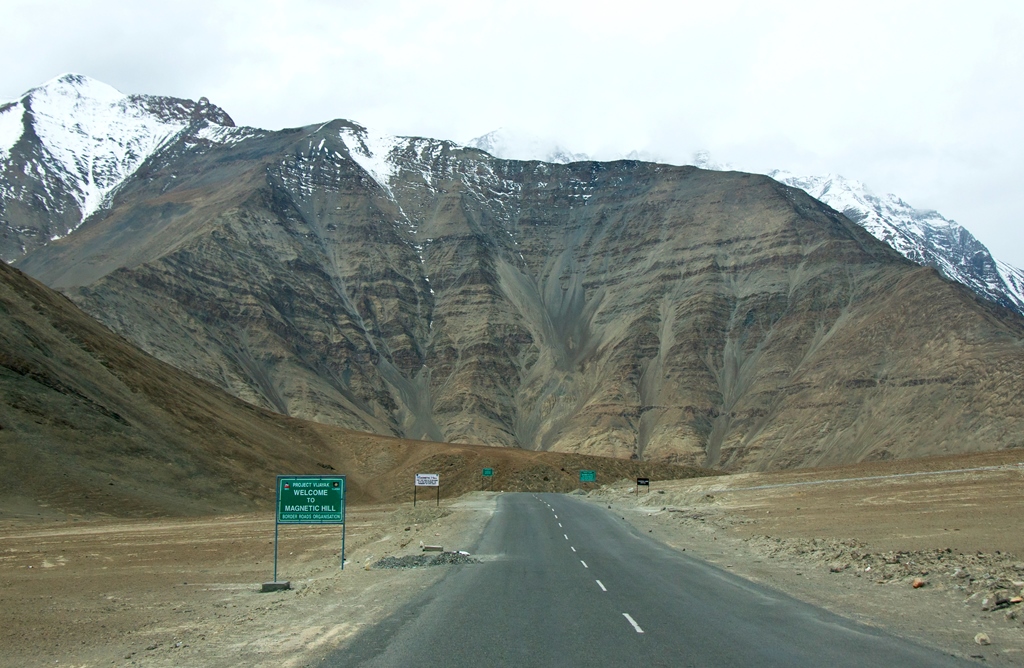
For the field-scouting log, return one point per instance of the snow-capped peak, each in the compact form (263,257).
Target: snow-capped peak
(92,137)
(702,159)
(921,235)
(511,145)
(77,87)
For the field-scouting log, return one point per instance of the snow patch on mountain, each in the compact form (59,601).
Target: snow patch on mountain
(96,135)
(219,134)
(1013,278)
(372,151)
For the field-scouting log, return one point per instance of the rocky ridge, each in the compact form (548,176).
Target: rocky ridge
(922,236)
(66,145)
(414,287)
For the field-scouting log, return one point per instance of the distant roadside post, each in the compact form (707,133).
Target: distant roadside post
(643,482)
(426,480)
(587,476)
(309,499)
(488,475)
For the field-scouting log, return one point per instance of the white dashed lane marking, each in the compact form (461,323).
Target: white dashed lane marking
(572,548)
(600,585)
(566,536)
(633,622)
(584,564)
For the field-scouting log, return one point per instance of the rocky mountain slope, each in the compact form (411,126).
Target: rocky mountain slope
(89,424)
(68,144)
(922,236)
(413,287)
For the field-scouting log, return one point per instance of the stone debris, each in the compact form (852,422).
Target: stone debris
(423,560)
(982,639)
(989,579)
(453,559)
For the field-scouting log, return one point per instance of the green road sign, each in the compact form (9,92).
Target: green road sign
(588,476)
(311,499)
(488,473)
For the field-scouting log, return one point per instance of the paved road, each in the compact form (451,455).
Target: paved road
(566,583)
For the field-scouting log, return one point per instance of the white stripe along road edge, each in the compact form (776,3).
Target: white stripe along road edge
(633,622)
(599,584)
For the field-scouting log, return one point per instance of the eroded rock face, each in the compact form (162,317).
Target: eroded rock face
(417,288)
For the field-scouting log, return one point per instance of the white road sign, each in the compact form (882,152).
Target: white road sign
(428,480)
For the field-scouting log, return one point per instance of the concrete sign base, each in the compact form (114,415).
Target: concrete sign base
(276,586)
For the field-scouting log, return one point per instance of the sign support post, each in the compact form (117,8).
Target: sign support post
(276,526)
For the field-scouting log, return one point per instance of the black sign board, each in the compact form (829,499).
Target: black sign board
(643,482)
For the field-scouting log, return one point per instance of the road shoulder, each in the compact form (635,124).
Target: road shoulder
(822,544)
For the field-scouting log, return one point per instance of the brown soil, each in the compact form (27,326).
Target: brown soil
(186,592)
(163,592)
(856,545)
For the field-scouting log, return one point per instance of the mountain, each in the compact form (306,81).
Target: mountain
(414,287)
(68,144)
(89,424)
(513,145)
(922,236)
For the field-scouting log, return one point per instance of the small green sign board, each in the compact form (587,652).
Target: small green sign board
(311,499)
(488,473)
(588,476)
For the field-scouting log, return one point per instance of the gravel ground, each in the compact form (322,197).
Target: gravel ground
(935,557)
(422,560)
(169,593)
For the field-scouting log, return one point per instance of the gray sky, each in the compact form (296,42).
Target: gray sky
(922,99)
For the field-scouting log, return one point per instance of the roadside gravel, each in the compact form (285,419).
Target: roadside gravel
(926,557)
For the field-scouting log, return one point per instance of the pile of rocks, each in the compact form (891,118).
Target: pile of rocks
(992,580)
(421,560)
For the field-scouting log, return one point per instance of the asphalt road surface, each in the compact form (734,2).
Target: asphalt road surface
(564,582)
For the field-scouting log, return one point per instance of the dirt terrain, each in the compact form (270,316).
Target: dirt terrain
(170,592)
(854,540)
(186,592)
